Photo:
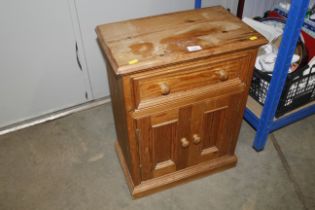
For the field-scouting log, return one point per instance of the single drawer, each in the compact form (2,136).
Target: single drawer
(168,83)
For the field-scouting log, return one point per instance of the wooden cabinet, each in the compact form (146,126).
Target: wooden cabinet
(179,84)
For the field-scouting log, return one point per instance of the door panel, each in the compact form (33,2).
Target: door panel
(157,143)
(216,128)
(163,147)
(214,135)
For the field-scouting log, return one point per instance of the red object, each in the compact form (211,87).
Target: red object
(274,14)
(310,44)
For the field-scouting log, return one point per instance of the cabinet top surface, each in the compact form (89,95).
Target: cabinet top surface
(143,43)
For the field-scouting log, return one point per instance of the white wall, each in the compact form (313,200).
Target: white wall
(38,69)
(93,13)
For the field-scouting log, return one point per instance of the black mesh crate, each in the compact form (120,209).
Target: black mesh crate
(299,89)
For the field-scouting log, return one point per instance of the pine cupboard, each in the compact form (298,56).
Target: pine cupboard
(179,84)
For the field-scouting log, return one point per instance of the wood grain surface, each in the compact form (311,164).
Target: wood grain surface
(154,41)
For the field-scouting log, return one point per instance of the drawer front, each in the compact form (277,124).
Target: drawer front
(177,82)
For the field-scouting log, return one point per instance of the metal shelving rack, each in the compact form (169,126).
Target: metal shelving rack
(262,118)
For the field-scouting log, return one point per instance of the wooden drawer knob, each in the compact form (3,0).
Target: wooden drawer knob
(196,139)
(185,142)
(165,89)
(223,75)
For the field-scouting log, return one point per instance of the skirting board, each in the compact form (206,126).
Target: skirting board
(54,115)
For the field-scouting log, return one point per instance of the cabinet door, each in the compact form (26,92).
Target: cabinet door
(162,148)
(179,138)
(214,128)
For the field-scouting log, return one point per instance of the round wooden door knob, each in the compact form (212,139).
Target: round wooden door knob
(185,142)
(223,75)
(165,88)
(196,139)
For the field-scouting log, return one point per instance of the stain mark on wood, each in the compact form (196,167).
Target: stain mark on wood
(190,21)
(181,41)
(144,49)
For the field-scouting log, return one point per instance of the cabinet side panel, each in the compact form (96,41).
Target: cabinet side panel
(116,91)
(247,75)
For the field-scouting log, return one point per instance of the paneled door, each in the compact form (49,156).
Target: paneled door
(179,138)
(157,135)
(163,143)
(214,127)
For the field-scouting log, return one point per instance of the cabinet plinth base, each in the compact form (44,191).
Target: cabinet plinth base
(175,178)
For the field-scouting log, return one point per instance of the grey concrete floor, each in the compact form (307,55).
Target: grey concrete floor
(70,163)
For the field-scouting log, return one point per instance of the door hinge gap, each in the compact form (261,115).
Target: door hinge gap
(77,56)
